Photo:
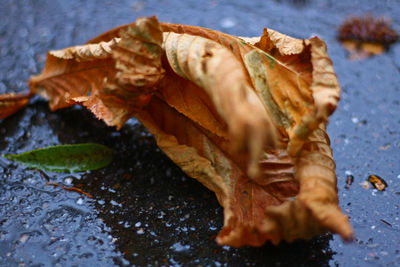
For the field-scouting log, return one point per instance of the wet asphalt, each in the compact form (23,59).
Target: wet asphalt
(144,210)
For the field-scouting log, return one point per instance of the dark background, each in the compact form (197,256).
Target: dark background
(145,211)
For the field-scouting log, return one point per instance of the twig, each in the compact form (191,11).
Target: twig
(72,189)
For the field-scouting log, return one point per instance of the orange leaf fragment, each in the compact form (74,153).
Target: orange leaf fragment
(244,116)
(11,103)
(377,182)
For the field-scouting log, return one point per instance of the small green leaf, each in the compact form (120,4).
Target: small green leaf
(66,158)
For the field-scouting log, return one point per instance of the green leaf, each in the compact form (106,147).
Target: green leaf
(66,158)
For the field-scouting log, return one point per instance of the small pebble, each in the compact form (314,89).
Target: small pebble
(79,201)
(178,247)
(68,181)
(140,231)
(23,238)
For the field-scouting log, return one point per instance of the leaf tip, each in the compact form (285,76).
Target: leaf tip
(8,156)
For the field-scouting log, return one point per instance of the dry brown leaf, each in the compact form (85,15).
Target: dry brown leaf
(247,119)
(11,103)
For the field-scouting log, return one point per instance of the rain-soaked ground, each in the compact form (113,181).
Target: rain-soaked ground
(145,211)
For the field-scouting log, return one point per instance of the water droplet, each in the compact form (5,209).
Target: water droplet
(152,233)
(178,247)
(138,224)
(3,235)
(227,22)
(62,221)
(68,180)
(86,255)
(115,203)
(161,215)
(125,262)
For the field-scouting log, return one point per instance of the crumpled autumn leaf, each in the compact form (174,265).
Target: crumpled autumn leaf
(244,116)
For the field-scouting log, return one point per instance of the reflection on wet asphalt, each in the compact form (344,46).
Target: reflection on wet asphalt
(144,209)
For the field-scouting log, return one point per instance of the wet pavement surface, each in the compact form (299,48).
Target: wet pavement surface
(145,211)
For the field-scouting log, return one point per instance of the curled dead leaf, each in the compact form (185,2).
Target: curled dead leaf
(244,116)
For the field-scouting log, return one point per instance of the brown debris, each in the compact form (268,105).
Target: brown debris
(377,182)
(366,36)
(71,189)
(349,181)
(386,222)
